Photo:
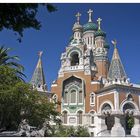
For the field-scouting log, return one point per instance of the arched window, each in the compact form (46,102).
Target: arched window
(128,106)
(92,134)
(66,97)
(55,98)
(79,117)
(80,97)
(92,99)
(106,106)
(92,117)
(65,114)
(75,59)
(90,40)
(73,96)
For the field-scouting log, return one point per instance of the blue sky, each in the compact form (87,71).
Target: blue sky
(119,21)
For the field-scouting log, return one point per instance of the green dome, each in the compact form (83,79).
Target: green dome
(106,46)
(90,26)
(100,33)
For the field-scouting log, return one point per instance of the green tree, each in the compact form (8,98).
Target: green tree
(17,97)
(20,16)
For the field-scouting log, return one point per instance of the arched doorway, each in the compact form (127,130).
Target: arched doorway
(128,118)
(109,120)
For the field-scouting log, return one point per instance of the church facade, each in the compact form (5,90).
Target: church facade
(94,91)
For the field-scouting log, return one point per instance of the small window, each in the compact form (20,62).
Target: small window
(124,79)
(92,98)
(66,97)
(75,59)
(92,134)
(92,119)
(73,96)
(90,40)
(55,98)
(79,117)
(80,98)
(65,117)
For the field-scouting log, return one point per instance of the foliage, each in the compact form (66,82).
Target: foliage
(18,101)
(10,61)
(130,122)
(20,16)
(66,131)
(81,132)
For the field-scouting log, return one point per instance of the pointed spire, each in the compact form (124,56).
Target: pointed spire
(115,54)
(116,72)
(99,23)
(90,15)
(78,17)
(38,79)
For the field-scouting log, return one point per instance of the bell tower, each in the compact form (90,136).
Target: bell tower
(101,51)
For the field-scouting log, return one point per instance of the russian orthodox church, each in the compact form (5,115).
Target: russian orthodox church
(93,91)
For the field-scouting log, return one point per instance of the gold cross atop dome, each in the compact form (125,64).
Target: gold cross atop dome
(40,53)
(114,42)
(90,15)
(78,17)
(99,23)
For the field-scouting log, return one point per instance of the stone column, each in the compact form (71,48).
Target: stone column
(135,131)
(117,130)
(101,125)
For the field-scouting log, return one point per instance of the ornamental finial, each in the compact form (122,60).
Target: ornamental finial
(90,15)
(40,53)
(99,23)
(78,17)
(114,42)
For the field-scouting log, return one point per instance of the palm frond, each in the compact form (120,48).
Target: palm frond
(10,61)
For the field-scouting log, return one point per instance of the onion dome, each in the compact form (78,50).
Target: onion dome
(99,32)
(106,45)
(77,26)
(90,26)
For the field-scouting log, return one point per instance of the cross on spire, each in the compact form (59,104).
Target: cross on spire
(90,15)
(114,42)
(40,53)
(99,23)
(78,17)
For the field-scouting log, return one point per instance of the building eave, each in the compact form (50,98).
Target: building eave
(118,87)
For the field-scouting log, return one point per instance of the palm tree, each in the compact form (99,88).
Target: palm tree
(10,61)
